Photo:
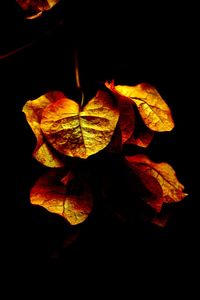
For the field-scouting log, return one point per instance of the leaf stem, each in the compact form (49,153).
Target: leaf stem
(82,98)
(15,51)
(31,43)
(77,76)
(78,84)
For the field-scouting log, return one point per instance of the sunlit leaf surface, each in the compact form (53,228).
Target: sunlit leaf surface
(163,173)
(80,132)
(72,199)
(34,8)
(152,108)
(33,111)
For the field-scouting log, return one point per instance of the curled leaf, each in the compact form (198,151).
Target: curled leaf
(34,8)
(72,200)
(163,173)
(80,132)
(127,116)
(152,108)
(33,112)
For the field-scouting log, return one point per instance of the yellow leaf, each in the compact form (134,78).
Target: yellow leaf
(79,201)
(49,193)
(127,116)
(80,132)
(164,174)
(33,111)
(72,200)
(152,108)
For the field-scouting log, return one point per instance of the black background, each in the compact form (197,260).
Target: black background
(131,43)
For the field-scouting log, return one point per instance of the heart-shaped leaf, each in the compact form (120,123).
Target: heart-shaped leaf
(72,199)
(78,132)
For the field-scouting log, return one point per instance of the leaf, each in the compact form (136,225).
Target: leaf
(154,197)
(37,5)
(163,173)
(80,132)
(49,192)
(141,138)
(33,112)
(152,108)
(127,116)
(72,200)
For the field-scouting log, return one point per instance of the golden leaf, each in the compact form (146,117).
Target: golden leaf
(154,197)
(80,132)
(127,116)
(36,7)
(72,200)
(33,111)
(152,108)
(79,201)
(164,174)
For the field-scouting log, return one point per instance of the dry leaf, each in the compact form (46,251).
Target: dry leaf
(36,7)
(33,111)
(152,108)
(127,115)
(72,200)
(80,132)
(141,138)
(49,192)
(164,174)
(154,197)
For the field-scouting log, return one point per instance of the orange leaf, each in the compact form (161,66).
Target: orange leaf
(80,132)
(72,200)
(33,111)
(141,138)
(154,197)
(36,7)
(152,108)
(164,174)
(127,116)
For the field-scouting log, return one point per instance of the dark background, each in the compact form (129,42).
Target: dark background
(131,43)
